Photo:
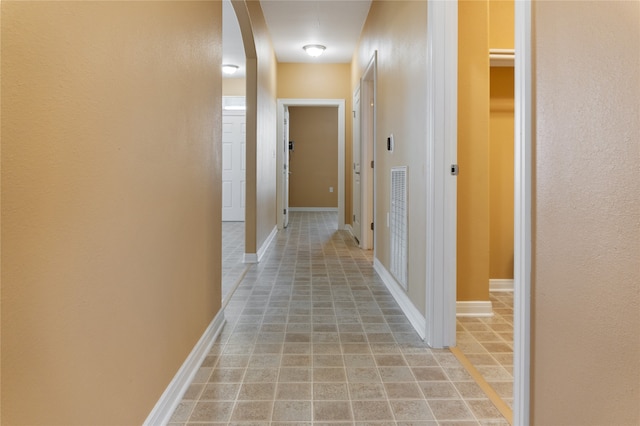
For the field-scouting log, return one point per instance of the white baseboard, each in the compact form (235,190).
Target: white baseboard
(263,249)
(414,316)
(349,229)
(166,405)
(257,257)
(313,209)
(496,284)
(474,308)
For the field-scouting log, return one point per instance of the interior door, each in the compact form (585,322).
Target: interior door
(233,166)
(285,167)
(356,224)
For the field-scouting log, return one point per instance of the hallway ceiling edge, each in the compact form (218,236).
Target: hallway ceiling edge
(293,24)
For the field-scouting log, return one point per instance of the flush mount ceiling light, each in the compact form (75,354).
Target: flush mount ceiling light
(229,69)
(314,49)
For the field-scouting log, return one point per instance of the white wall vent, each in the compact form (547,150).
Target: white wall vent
(398,225)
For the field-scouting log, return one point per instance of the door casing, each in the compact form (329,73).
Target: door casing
(441,189)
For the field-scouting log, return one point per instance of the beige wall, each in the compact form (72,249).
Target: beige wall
(501,138)
(586,285)
(234,87)
(473,151)
(501,24)
(397,30)
(110,203)
(314,161)
(501,133)
(260,216)
(323,81)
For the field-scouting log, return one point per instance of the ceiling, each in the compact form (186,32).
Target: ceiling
(336,24)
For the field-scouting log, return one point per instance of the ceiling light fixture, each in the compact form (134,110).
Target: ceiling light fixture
(314,50)
(229,69)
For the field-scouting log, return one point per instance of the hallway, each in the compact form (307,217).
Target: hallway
(314,337)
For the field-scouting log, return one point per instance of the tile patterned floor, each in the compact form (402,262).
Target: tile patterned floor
(488,344)
(314,338)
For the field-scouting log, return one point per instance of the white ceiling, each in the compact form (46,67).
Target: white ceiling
(336,24)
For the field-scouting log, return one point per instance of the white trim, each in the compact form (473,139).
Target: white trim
(281,104)
(263,249)
(523,166)
(368,129)
(416,319)
(474,308)
(349,229)
(498,284)
(171,397)
(313,209)
(442,140)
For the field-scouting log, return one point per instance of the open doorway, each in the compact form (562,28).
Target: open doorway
(442,161)
(283,186)
(485,195)
(233,152)
(313,158)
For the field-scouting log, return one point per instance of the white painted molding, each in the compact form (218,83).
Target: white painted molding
(250,258)
(441,142)
(501,57)
(416,319)
(474,308)
(522,248)
(313,209)
(263,249)
(498,284)
(171,397)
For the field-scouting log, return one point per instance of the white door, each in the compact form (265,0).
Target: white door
(356,224)
(285,168)
(233,166)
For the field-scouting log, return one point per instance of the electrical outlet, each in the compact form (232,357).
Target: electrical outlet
(331,189)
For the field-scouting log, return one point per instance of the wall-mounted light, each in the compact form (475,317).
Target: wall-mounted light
(314,49)
(229,69)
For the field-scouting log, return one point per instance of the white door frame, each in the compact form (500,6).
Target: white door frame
(281,103)
(368,153)
(441,207)
(356,169)
(523,168)
(442,142)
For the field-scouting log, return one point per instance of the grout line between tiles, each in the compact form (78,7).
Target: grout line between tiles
(486,388)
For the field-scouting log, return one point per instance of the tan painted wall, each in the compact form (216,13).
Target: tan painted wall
(501,173)
(314,161)
(397,30)
(473,151)
(234,87)
(586,284)
(501,22)
(501,137)
(260,213)
(110,203)
(323,81)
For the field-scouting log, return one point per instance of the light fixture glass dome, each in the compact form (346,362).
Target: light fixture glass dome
(229,69)
(314,49)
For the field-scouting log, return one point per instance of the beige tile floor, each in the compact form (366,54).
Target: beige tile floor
(488,344)
(314,338)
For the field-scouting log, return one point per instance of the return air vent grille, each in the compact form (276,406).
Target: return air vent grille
(398,225)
